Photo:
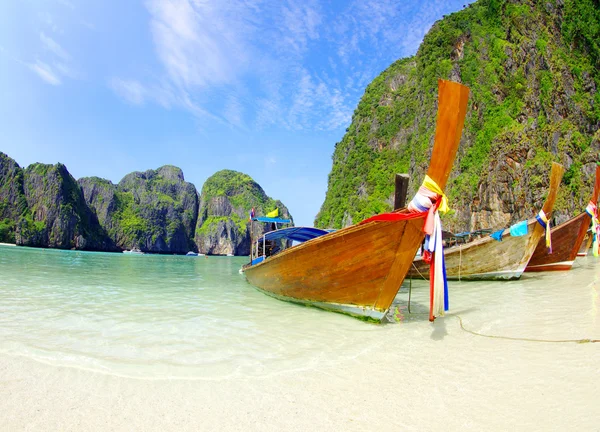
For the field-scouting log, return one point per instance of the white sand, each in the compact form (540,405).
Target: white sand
(455,381)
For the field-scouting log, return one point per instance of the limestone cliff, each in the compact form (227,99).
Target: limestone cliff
(57,215)
(225,202)
(154,211)
(13,204)
(534,72)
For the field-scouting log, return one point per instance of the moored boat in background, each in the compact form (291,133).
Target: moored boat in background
(359,269)
(567,239)
(487,258)
(134,251)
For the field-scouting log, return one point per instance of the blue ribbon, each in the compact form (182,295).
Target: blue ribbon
(497,235)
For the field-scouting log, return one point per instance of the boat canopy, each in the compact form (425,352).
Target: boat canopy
(299,234)
(269,219)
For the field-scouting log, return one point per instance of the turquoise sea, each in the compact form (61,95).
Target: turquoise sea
(161,316)
(155,316)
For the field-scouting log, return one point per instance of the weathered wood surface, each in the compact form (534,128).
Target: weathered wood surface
(486,258)
(362,266)
(586,244)
(567,239)
(359,269)
(400,191)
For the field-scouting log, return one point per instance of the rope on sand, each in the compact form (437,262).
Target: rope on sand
(579,341)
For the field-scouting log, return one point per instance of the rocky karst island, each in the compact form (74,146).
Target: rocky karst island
(154,211)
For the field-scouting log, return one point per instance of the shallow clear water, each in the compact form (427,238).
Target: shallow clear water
(158,316)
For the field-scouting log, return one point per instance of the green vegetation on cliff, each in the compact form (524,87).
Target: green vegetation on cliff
(13,204)
(56,215)
(241,191)
(154,211)
(225,202)
(533,69)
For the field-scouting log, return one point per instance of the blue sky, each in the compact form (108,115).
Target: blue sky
(266,87)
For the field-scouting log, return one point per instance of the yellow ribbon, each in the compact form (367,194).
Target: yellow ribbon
(430,184)
(544,218)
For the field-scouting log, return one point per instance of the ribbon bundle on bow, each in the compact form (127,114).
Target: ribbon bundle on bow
(545,223)
(430,198)
(593,212)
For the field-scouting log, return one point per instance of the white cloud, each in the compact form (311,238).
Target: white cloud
(255,63)
(45,72)
(67,3)
(199,42)
(54,47)
(234,111)
(300,23)
(130,90)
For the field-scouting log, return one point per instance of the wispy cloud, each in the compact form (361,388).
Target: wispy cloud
(199,43)
(67,3)
(57,64)
(130,90)
(45,72)
(54,47)
(293,64)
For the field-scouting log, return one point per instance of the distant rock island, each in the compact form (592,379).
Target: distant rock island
(155,211)
(226,198)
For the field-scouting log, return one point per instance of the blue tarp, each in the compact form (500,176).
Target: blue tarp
(299,234)
(268,219)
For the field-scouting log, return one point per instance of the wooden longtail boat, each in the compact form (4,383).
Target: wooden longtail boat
(567,239)
(358,270)
(486,258)
(586,244)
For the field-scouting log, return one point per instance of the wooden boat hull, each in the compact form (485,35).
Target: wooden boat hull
(566,242)
(489,259)
(486,258)
(586,244)
(356,270)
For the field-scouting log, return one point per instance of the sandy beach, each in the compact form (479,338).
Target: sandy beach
(455,381)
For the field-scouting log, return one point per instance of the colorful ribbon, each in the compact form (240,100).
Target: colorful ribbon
(545,223)
(430,198)
(593,212)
